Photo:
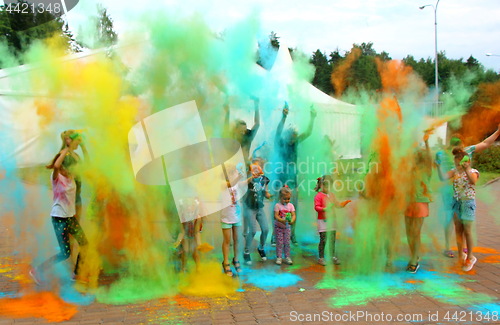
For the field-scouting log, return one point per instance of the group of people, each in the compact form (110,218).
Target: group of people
(453,166)
(453,162)
(252,212)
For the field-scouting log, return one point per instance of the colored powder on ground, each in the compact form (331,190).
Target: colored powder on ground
(185,302)
(269,279)
(485,250)
(70,294)
(131,289)
(490,312)
(315,268)
(493,259)
(208,281)
(360,290)
(39,305)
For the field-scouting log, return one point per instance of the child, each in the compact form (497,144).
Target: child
(418,209)
(231,220)
(63,209)
(73,160)
(254,210)
(464,205)
(284,218)
(322,203)
(189,238)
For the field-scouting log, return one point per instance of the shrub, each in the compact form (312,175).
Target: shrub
(488,160)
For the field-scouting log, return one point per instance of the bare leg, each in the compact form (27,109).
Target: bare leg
(413,232)
(225,244)
(235,242)
(459,232)
(469,239)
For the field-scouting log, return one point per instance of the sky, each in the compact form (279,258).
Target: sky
(398,27)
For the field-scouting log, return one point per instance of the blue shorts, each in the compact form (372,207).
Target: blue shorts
(465,209)
(230,225)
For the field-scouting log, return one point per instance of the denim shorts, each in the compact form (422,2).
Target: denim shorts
(465,209)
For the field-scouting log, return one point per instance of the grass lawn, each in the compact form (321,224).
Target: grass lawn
(485,177)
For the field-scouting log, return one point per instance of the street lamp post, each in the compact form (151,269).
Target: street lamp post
(435,47)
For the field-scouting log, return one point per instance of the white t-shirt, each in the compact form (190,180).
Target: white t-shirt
(232,213)
(64,189)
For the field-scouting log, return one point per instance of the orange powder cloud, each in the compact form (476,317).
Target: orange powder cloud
(484,115)
(339,75)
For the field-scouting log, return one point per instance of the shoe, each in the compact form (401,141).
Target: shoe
(449,253)
(279,260)
(412,268)
(321,261)
(262,254)
(295,243)
(273,244)
(237,265)
(247,258)
(34,275)
(288,261)
(336,261)
(469,263)
(227,269)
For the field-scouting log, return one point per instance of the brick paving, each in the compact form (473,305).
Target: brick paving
(258,306)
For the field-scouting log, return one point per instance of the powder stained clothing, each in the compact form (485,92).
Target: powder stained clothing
(470,151)
(465,210)
(284,211)
(419,207)
(322,242)
(282,240)
(63,227)
(256,192)
(232,213)
(69,163)
(64,190)
(283,231)
(463,188)
(320,202)
(254,216)
(423,193)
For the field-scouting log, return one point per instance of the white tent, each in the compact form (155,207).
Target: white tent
(25,143)
(339,121)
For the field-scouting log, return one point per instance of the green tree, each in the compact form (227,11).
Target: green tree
(323,71)
(274,40)
(105,34)
(335,58)
(267,51)
(19,30)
